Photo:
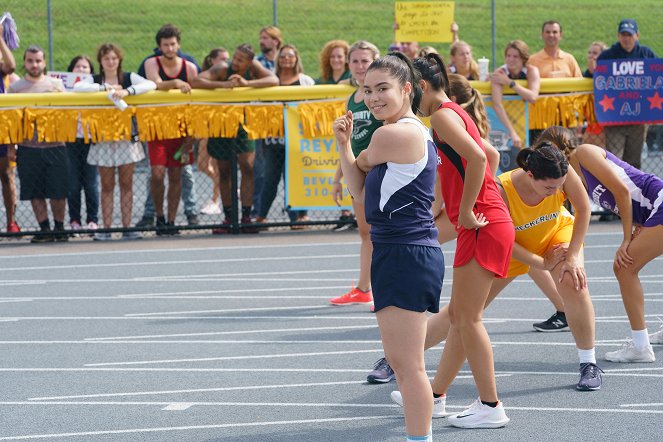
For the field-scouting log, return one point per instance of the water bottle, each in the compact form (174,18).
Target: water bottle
(483,68)
(119,103)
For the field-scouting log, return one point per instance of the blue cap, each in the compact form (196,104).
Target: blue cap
(628,25)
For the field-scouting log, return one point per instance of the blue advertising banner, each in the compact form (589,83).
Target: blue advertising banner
(628,91)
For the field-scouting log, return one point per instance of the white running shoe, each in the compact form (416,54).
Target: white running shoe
(211,208)
(439,404)
(630,353)
(479,415)
(656,338)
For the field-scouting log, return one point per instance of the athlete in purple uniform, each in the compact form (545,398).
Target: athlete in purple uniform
(636,197)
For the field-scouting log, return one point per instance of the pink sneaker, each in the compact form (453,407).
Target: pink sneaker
(354,296)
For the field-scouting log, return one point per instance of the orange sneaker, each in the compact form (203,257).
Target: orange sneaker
(354,296)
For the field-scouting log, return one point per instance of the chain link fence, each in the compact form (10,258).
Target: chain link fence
(78,27)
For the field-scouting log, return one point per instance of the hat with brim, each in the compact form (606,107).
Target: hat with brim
(628,25)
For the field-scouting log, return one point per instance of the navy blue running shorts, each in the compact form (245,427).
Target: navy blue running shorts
(407,276)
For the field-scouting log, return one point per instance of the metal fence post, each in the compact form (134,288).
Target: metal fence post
(51,56)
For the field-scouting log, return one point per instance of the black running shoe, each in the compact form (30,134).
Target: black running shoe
(555,323)
(346,222)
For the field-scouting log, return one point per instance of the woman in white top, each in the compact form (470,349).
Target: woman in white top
(122,154)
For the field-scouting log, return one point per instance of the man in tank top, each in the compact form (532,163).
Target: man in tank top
(168,71)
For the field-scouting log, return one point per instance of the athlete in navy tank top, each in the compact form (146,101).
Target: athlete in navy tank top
(399,198)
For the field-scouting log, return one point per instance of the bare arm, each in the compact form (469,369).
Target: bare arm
(262,77)
(592,158)
(498,107)
(7,61)
(447,122)
(437,206)
(210,79)
(531,92)
(575,192)
(493,156)
(354,178)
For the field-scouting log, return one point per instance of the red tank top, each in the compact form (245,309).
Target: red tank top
(182,74)
(451,169)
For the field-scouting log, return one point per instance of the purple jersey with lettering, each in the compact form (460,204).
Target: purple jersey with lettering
(398,197)
(646,192)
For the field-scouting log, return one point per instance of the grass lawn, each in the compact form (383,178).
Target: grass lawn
(79,26)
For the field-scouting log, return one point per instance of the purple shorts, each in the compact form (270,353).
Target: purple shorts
(3,150)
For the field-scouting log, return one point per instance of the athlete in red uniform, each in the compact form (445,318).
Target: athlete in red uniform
(474,205)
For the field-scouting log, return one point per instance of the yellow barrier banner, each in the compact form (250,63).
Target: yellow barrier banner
(311,163)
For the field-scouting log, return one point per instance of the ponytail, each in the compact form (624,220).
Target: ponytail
(544,161)
(433,70)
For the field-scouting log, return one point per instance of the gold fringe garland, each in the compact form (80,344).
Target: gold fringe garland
(49,124)
(222,120)
(317,117)
(106,124)
(162,122)
(564,110)
(11,125)
(264,120)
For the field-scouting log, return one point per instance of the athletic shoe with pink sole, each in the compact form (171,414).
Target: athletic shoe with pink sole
(354,296)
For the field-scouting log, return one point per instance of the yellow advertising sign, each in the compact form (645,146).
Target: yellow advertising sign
(310,167)
(424,21)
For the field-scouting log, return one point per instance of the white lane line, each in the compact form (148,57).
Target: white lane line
(231,310)
(203,292)
(600,343)
(181,406)
(369,317)
(198,390)
(366,317)
(118,342)
(297,355)
(655,404)
(260,297)
(202,427)
(303,422)
(178,406)
(235,332)
(179,263)
(635,372)
(235,358)
(465,375)
(294,272)
(9,300)
(177,250)
(203,341)
(209,261)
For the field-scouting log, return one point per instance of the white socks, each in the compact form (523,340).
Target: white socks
(640,338)
(587,356)
(428,438)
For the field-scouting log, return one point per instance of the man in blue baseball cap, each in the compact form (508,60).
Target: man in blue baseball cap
(626,141)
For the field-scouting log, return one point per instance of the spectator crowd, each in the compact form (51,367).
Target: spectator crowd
(63,176)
